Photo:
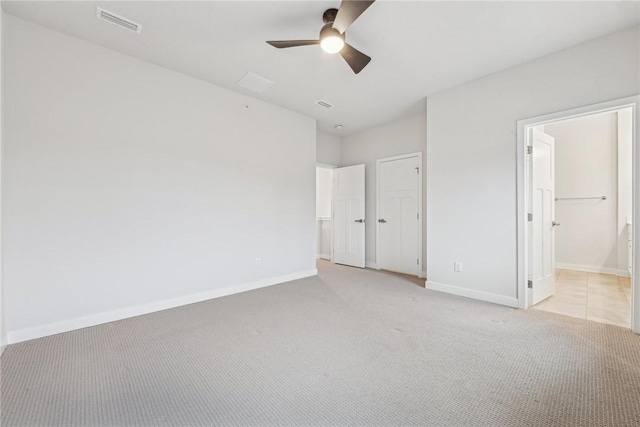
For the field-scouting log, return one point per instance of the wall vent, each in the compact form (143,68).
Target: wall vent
(324,104)
(118,20)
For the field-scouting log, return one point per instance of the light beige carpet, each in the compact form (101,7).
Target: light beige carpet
(349,347)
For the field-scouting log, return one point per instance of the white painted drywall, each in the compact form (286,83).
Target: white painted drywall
(586,166)
(328,149)
(625,186)
(471,154)
(403,136)
(128,184)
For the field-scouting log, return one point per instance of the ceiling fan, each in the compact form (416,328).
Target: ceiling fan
(332,34)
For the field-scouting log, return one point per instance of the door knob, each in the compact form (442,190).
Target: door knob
(382,221)
(359,220)
(555,224)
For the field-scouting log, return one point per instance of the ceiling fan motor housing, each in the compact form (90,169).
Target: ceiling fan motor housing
(328,30)
(329,15)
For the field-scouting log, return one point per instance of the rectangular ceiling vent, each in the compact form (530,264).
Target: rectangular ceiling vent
(118,20)
(324,104)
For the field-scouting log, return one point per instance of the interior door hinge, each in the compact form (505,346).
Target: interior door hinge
(417,216)
(529,217)
(417,170)
(530,284)
(417,261)
(529,149)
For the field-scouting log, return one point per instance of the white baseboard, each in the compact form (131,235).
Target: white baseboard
(323,256)
(592,269)
(124,313)
(370,264)
(471,293)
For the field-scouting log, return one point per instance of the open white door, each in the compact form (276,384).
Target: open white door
(543,210)
(348,216)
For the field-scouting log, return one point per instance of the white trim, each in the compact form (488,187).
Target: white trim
(417,154)
(592,269)
(324,256)
(124,313)
(370,264)
(423,274)
(524,296)
(472,293)
(326,166)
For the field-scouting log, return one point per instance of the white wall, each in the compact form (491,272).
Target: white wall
(406,135)
(471,156)
(625,186)
(129,187)
(586,157)
(328,149)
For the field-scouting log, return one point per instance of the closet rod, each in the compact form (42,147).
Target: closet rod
(581,198)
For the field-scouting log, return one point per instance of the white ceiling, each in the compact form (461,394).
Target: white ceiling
(418,48)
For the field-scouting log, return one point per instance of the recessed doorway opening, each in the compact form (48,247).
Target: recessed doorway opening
(592,216)
(576,213)
(324,212)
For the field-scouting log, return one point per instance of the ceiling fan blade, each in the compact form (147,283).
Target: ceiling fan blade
(281,44)
(356,59)
(348,12)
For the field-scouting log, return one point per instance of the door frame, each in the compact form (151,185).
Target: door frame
(417,154)
(327,166)
(524,190)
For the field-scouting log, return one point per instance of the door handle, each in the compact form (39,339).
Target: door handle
(382,221)
(359,220)
(555,224)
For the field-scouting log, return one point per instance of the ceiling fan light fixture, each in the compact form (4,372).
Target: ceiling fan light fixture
(331,41)
(332,44)
(332,34)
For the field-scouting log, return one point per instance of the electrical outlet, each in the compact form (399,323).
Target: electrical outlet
(258,262)
(457,266)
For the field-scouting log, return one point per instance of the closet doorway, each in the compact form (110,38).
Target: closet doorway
(579,206)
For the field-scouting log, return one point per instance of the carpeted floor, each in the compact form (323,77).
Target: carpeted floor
(351,347)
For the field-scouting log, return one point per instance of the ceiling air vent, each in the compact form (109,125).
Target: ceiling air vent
(118,20)
(324,104)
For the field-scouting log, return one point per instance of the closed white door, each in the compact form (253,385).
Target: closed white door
(398,215)
(348,216)
(543,215)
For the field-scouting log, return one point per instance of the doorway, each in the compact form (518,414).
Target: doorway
(324,211)
(340,208)
(576,213)
(399,213)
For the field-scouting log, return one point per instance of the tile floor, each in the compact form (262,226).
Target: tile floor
(593,296)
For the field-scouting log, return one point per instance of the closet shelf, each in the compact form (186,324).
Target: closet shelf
(582,198)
